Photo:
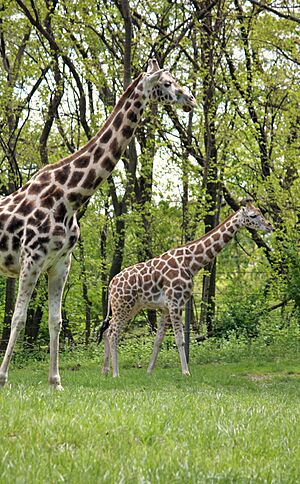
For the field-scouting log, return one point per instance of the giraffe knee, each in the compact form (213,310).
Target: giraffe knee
(179,340)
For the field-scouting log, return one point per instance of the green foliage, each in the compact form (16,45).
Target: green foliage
(246,70)
(240,316)
(293,269)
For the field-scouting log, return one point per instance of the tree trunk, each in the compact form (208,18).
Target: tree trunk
(210,181)
(87,301)
(8,311)
(103,263)
(66,330)
(143,193)
(34,316)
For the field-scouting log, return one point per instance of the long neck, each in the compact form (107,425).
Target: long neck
(204,250)
(80,174)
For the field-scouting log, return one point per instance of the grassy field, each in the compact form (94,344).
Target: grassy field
(229,422)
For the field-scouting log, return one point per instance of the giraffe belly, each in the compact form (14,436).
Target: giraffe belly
(154,301)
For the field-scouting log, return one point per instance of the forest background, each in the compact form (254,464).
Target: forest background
(64,63)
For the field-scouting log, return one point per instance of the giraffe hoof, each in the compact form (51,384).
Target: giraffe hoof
(186,373)
(105,371)
(57,387)
(3,379)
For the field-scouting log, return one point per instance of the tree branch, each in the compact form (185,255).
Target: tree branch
(273,10)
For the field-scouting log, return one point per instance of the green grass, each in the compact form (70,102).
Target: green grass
(229,422)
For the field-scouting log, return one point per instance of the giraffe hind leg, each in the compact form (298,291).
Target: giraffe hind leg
(113,334)
(161,331)
(105,369)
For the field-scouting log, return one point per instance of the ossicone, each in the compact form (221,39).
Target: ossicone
(153,66)
(246,201)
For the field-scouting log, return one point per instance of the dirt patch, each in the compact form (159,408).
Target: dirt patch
(256,377)
(272,376)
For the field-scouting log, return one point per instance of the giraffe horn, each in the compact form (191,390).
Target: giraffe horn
(246,201)
(153,66)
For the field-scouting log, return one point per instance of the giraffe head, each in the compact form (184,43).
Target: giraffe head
(253,218)
(162,87)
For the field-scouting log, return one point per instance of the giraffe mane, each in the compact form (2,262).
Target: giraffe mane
(210,232)
(116,109)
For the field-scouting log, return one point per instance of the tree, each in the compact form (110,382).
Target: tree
(63,66)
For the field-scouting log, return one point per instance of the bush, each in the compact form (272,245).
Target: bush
(240,316)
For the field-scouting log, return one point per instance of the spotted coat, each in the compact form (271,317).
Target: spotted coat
(38,226)
(166,282)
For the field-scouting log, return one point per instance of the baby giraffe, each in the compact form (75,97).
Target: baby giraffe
(166,282)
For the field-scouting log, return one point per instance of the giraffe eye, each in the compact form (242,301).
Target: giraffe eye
(252,216)
(167,84)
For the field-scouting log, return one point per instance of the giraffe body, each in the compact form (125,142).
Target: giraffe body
(38,226)
(166,282)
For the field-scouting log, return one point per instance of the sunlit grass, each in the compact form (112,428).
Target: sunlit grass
(228,422)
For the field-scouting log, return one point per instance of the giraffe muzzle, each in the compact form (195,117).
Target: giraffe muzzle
(190,104)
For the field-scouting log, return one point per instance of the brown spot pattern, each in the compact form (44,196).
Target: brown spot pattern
(62,174)
(118,120)
(75,179)
(115,149)
(106,136)
(108,164)
(26,207)
(226,237)
(88,182)
(98,153)
(15,224)
(82,161)
(131,115)
(4,243)
(98,180)
(127,131)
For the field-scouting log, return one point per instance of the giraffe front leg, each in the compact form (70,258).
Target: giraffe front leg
(56,281)
(27,282)
(161,331)
(176,317)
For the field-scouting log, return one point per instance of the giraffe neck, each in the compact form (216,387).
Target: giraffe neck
(80,174)
(204,250)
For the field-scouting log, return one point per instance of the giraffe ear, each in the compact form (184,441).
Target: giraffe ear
(151,79)
(153,66)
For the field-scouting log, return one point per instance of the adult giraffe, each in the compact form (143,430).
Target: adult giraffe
(38,227)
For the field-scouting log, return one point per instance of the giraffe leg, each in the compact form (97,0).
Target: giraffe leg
(27,282)
(114,331)
(105,368)
(161,331)
(176,317)
(113,336)
(56,281)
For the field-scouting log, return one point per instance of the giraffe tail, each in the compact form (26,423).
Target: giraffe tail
(105,325)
